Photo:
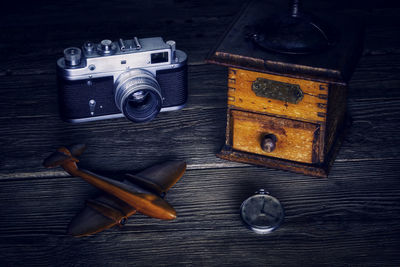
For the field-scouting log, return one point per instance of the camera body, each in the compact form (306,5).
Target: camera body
(135,78)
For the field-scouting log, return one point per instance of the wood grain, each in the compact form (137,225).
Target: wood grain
(349,219)
(295,139)
(195,133)
(326,217)
(312,107)
(49,28)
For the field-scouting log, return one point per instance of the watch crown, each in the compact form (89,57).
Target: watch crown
(262,192)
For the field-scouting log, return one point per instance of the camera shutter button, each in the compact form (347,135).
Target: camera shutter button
(106,46)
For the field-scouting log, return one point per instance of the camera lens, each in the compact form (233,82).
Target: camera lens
(138,95)
(141,105)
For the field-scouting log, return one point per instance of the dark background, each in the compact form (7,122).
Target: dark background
(349,219)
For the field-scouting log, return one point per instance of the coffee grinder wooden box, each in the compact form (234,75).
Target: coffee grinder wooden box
(287,86)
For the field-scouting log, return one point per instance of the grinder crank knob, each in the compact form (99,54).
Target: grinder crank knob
(72,56)
(268,143)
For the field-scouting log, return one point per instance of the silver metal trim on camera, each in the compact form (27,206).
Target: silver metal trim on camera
(97,64)
(120,115)
(123,60)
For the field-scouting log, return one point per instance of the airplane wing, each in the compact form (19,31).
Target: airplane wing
(100,214)
(106,211)
(160,177)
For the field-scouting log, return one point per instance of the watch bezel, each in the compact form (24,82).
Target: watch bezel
(261,229)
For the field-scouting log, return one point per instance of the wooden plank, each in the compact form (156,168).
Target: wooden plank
(382,31)
(370,131)
(351,218)
(51,28)
(376,76)
(324,217)
(192,130)
(29,116)
(21,93)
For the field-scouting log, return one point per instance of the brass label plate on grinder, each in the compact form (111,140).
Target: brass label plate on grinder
(286,92)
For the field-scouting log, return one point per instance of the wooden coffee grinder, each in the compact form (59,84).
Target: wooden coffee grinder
(287,83)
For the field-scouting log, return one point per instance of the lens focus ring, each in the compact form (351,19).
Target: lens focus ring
(138,82)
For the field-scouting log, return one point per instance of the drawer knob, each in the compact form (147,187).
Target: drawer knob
(268,143)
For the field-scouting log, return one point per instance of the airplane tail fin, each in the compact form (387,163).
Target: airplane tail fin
(63,155)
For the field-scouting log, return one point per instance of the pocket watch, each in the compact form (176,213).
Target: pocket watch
(262,212)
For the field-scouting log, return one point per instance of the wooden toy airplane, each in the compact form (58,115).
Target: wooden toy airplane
(143,192)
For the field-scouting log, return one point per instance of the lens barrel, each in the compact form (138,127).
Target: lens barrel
(138,95)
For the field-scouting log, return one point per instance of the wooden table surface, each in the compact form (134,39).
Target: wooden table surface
(350,219)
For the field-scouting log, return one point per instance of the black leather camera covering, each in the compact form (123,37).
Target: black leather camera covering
(74,96)
(174,87)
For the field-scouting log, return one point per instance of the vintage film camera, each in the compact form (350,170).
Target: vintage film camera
(135,78)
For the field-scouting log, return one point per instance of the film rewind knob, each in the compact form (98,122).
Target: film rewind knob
(72,56)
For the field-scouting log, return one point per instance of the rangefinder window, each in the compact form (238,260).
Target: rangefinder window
(159,57)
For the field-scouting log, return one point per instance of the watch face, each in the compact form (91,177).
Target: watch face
(262,213)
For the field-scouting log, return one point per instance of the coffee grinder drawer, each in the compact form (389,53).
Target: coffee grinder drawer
(275,137)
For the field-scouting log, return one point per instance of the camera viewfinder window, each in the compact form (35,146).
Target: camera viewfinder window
(159,57)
